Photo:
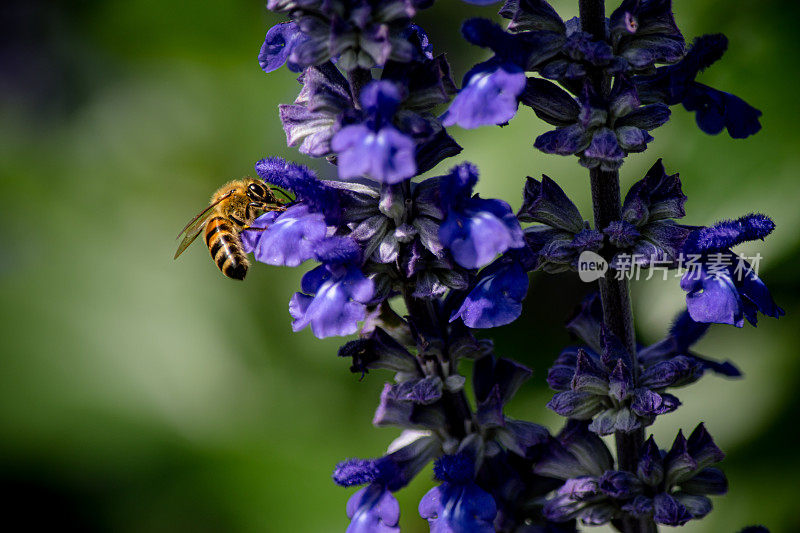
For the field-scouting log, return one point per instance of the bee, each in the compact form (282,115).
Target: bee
(233,208)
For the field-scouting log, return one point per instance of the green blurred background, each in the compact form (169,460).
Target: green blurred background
(142,394)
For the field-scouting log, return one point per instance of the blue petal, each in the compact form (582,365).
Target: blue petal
(712,298)
(455,507)
(373,509)
(497,298)
(386,155)
(291,239)
(489,96)
(278,45)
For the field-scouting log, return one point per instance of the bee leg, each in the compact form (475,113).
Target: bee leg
(273,191)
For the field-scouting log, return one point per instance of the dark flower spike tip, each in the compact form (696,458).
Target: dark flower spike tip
(728,233)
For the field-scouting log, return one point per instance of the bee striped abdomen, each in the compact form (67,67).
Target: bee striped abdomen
(225,247)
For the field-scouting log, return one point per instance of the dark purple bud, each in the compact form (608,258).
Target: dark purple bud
(678,463)
(646,118)
(547,203)
(587,323)
(640,506)
(650,468)
(702,448)
(379,350)
(657,196)
(589,449)
(532,15)
(564,141)
(490,371)
(621,234)
(589,375)
(620,381)
(575,404)
(620,485)
(550,102)
(698,506)
(603,151)
(669,511)
(707,481)
(580,488)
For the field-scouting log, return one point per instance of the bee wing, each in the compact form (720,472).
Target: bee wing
(192,233)
(193,228)
(201,214)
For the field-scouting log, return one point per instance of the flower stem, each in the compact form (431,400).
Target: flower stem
(614,293)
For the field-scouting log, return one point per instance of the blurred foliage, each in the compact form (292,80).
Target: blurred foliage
(142,394)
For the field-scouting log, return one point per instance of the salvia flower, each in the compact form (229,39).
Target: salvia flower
(676,484)
(375,148)
(722,287)
(334,294)
(715,110)
(458,504)
(475,230)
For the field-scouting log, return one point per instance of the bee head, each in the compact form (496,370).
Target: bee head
(257,191)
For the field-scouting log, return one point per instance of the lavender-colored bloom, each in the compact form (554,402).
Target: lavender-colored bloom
(288,239)
(278,46)
(315,116)
(496,298)
(333,298)
(716,110)
(373,509)
(475,230)
(458,504)
(489,96)
(725,288)
(375,148)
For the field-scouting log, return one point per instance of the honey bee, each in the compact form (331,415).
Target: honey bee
(233,208)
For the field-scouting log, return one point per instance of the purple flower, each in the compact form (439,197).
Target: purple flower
(496,298)
(724,288)
(475,230)
(334,294)
(458,504)
(375,148)
(716,110)
(489,96)
(278,47)
(373,509)
(288,239)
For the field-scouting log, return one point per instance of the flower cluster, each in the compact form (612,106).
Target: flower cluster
(670,488)
(411,260)
(601,123)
